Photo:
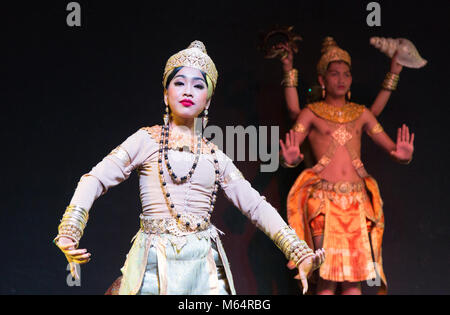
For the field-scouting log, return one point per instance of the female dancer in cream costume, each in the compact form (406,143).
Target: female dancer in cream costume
(177,250)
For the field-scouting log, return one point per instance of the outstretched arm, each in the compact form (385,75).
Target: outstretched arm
(254,206)
(290,82)
(111,171)
(383,96)
(401,151)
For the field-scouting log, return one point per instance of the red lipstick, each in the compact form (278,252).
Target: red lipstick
(186,102)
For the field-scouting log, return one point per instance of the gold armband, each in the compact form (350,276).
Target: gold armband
(293,248)
(298,127)
(236,174)
(290,78)
(390,81)
(376,129)
(122,155)
(72,224)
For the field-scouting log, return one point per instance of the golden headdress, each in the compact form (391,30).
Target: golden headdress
(331,52)
(195,56)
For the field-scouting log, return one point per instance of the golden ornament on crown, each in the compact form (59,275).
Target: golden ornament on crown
(330,53)
(195,56)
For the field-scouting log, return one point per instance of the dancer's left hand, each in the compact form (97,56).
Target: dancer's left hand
(306,268)
(404,147)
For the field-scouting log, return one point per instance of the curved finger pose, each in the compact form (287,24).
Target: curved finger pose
(177,250)
(336,205)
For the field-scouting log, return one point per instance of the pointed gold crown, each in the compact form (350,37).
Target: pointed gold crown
(195,56)
(331,52)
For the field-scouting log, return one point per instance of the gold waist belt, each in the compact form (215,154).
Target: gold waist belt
(341,187)
(186,224)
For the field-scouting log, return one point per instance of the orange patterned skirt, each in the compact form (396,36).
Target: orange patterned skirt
(345,219)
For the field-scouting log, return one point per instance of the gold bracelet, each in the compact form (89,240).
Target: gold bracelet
(73,223)
(284,164)
(293,248)
(390,81)
(68,231)
(408,162)
(290,78)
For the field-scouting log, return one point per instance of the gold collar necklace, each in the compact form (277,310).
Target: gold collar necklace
(347,113)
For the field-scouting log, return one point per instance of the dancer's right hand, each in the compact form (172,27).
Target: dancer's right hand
(288,59)
(291,149)
(73,255)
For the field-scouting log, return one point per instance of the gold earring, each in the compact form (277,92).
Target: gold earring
(324,92)
(205,119)
(166,116)
(349,95)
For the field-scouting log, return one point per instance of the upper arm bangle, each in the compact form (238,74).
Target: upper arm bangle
(376,129)
(122,155)
(299,127)
(234,175)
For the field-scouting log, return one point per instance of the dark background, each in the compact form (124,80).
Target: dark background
(70,95)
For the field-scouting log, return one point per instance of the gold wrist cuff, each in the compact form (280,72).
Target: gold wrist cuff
(408,162)
(284,164)
(56,239)
(390,81)
(376,129)
(293,248)
(73,223)
(290,78)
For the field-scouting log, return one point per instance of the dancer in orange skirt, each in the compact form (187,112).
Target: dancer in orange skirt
(336,204)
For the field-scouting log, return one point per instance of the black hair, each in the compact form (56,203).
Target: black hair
(175,71)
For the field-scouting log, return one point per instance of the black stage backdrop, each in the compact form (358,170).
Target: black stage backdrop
(71,94)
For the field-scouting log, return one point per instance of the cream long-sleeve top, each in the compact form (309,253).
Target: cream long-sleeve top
(140,151)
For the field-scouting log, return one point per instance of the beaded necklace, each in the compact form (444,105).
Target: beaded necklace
(187,222)
(175,178)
